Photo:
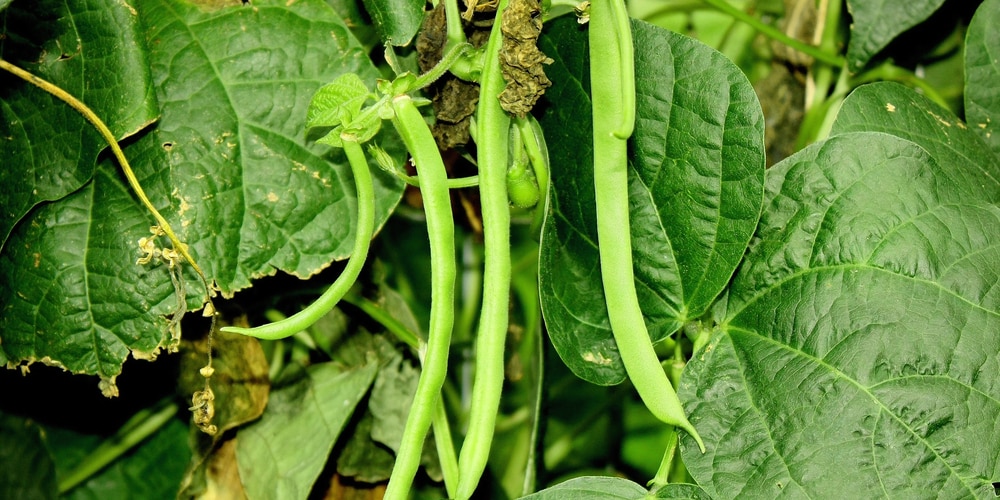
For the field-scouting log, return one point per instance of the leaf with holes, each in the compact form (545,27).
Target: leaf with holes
(232,172)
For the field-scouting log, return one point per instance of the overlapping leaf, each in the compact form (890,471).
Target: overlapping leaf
(229,166)
(982,72)
(695,183)
(600,487)
(94,51)
(875,23)
(863,330)
(282,455)
(396,21)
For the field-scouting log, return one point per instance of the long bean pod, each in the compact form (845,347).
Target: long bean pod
(491,142)
(362,238)
(440,226)
(613,99)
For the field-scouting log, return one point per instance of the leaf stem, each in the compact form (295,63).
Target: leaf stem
(776,34)
(445,448)
(492,135)
(142,425)
(382,317)
(362,238)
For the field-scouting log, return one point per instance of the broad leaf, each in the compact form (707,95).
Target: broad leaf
(94,51)
(894,109)
(250,194)
(592,487)
(396,21)
(228,165)
(600,487)
(26,470)
(982,72)
(695,187)
(75,297)
(282,455)
(862,332)
(875,23)
(152,469)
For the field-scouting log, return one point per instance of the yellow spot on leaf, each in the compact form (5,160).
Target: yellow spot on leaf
(596,358)
(890,108)
(272,197)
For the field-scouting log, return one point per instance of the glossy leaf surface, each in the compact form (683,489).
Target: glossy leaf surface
(696,168)
(94,51)
(232,172)
(859,333)
(875,23)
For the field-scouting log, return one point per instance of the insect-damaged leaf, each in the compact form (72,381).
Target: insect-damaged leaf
(696,169)
(229,166)
(95,52)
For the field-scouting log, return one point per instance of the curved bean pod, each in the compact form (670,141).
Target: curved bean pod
(362,238)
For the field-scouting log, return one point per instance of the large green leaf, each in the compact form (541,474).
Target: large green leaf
(96,52)
(982,72)
(248,192)
(228,165)
(695,187)
(894,109)
(875,23)
(601,487)
(396,21)
(862,334)
(282,455)
(26,470)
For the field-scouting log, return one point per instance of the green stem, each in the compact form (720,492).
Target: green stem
(440,227)
(445,448)
(614,242)
(384,318)
(492,135)
(451,56)
(538,154)
(142,425)
(112,142)
(662,477)
(362,238)
(776,34)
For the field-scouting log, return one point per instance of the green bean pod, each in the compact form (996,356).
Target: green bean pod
(441,230)
(612,83)
(491,140)
(362,238)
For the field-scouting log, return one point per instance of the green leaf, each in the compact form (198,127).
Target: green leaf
(859,331)
(682,491)
(396,21)
(94,51)
(696,172)
(250,195)
(591,487)
(877,22)
(228,165)
(26,470)
(282,455)
(894,109)
(77,299)
(982,72)
(337,102)
(153,469)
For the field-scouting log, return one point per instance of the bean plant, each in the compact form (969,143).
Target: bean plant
(507,249)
